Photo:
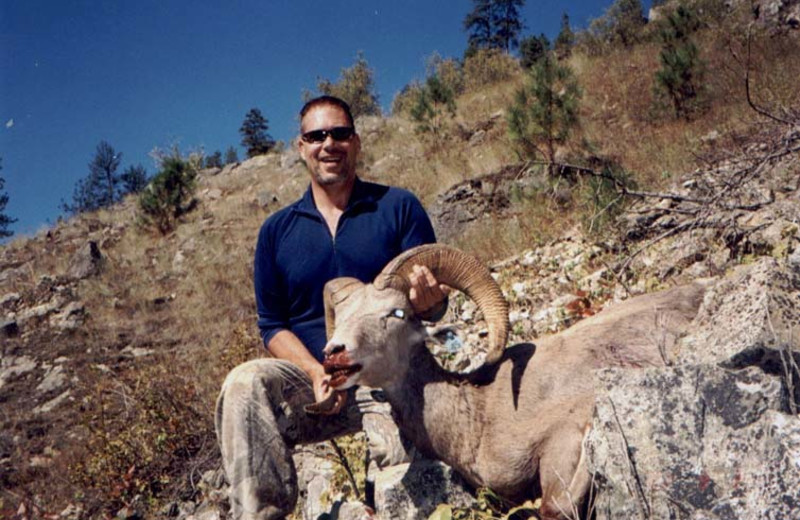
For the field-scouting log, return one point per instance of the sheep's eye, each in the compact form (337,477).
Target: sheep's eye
(398,313)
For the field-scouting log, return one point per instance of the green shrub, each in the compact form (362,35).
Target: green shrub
(680,78)
(545,110)
(434,102)
(169,194)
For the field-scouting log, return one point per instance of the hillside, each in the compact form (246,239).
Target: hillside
(115,339)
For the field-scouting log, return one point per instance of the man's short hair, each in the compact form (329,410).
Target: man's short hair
(330,101)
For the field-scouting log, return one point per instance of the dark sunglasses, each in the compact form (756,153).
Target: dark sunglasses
(339,133)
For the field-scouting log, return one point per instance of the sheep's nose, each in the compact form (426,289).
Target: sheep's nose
(333,348)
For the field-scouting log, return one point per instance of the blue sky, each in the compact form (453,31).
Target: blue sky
(151,73)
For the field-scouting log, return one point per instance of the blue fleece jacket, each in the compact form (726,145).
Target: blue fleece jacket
(296,255)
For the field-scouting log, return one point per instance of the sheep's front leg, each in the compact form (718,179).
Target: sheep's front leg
(563,473)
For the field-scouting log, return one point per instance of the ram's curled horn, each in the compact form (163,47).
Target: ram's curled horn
(460,271)
(336,291)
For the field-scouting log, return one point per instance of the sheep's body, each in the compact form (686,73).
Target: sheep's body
(517,426)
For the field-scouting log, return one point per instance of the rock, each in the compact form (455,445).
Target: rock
(86,262)
(11,366)
(214,194)
(290,157)
(9,299)
(52,403)
(8,328)
(70,317)
(713,452)
(757,307)
(53,380)
(412,491)
(314,475)
(229,168)
(178,261)
(265,198)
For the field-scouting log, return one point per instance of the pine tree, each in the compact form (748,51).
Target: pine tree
(169,194)
(101,187)
(532,49)
(507,24)
(356,85)
(681,73)
(479,23)
(214,160)
(255,138)
(435,100)
(565,39)
(134,179)
(493,24)
(231,156)
(545,110)
(5,220)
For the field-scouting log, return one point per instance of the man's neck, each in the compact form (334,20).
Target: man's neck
(331,201)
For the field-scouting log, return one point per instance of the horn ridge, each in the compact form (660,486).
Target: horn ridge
(461,271)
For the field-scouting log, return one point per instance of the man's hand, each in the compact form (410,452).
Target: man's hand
(426,294)
(327,400)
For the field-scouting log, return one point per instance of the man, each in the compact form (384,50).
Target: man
(342,226)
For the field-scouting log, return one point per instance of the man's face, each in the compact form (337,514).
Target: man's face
(330,162)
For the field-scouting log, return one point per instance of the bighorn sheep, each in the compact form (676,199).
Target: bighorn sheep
(517,424)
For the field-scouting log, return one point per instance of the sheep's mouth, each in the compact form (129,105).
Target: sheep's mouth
(339,372)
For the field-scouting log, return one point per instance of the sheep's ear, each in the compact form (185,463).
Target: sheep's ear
(335,292)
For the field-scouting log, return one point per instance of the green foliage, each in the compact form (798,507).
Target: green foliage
(231,156)
(101,187)
(532,49)
(488,66)
(356,86)
(434,102)
(565,39)
(5,220)
(134,179)
(214,160)
(680,78)
(622,24)
(448,70)
(493,24)
(255,138)
(545,110)
(404,100)
(599,198)
(169,194)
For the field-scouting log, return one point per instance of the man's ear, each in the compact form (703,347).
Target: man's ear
(301,147)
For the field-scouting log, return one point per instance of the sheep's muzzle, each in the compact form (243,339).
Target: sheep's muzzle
(339,367)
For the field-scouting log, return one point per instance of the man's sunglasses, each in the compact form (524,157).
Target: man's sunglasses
(339,133)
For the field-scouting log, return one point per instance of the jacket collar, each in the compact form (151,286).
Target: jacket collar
(362,194)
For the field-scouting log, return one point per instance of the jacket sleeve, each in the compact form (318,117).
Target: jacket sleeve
(270,295)
(417,227)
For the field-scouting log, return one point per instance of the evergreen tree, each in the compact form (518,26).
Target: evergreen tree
(493,24)
(435,100)
(255,138)
(565,39)
(681,74)
(507,24)
(231,156)
(134,179)
(627,20)
(545,110)
(356,86)
(100,188)
(5,220)
(532,49)
(214,160)
(169,195)
(479,24)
